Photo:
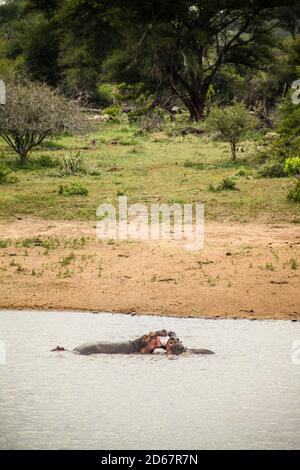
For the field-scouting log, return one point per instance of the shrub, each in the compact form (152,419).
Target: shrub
(72,165)
(294,193)
(289,125)
(153,122)
(227,184)
(73,189)
(292,166)
(6,176)
(34,112)
(107,94)
(113,111)
(272,169)
(232,122)
(196,165)
(4,243)
(45,161)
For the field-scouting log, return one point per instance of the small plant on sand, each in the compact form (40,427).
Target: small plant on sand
(67,260)
(72,189)
(293,264)
(4,243)
(269,267)
(232,122)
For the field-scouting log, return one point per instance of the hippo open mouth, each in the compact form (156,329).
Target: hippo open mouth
(152,341)
(174,345)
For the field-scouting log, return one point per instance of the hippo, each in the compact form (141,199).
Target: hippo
(175,347)
(145,344)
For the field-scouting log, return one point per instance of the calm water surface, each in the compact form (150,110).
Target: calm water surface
(245,396)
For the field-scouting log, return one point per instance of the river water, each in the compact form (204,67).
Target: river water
(245,396)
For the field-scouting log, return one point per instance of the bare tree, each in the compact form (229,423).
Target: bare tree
(34,112)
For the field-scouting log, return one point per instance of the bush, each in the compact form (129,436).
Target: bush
(294,193)
(113,111)
(153,122)
(107,94)
(292,166)
(196,165)
(34,112)
(72,165)
(73,189)
(44,161)
(227,184)
(289,125)
(6,176)
(272,169)
(232,122)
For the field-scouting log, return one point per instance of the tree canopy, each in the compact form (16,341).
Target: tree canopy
(189,47)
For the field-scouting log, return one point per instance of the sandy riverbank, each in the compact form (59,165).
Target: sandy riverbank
(244,271)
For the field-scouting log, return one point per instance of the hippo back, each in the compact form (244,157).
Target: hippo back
(102,347)
(200,351)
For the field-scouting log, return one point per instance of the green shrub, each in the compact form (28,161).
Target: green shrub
(6,176)
(45,161)
(196,165)
(289,125)
(107,94)
(4,243)
(292,166)
(242,172)
(73,189)
(272,169)
(294,193)
(113,111)
(227,184)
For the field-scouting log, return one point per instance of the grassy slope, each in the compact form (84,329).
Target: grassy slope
(147,169)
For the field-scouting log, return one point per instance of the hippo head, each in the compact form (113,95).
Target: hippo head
(174,346)
(151,341)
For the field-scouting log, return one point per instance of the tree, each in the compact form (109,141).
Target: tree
(84,37)
(232,122)
(185,44)
(34,112)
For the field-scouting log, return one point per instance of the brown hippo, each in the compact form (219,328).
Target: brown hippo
(146,344)
(175,347)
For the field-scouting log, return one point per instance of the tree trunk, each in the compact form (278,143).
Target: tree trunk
(196,106)
(193,97)
(23,156)
(233,151)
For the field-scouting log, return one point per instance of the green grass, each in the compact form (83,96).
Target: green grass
(147,169)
